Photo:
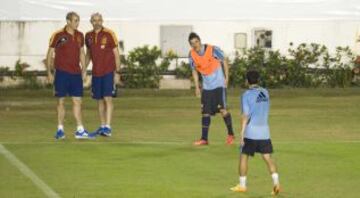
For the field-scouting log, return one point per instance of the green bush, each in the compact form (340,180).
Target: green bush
(143,67)
(183,71)
(339,71)
(270,64)
(307,65)
(30,78)
(5,71)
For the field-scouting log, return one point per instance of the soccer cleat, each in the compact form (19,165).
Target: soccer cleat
(98,131)
(59,134)
(201,142)
(106,132)
(83,135)
(230,139)
(238,188)
(276,190)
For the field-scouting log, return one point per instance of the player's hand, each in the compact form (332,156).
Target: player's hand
(117,79)
(84,76)
(197,92)
(50,79)
(226,82)
(242,143)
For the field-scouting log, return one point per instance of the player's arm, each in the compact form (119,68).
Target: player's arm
(117,64)
(244,121)
(83,62)
(226,71)
(195,76)
(244,117)
(87,58)
(88,52)
(219,54)
(196,82)
(49,64)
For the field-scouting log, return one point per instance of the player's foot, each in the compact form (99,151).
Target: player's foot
(83,135)
(98,131)
(238,188)
(59,134)
(276,190)
(201,142)
(230,139)
(106,132)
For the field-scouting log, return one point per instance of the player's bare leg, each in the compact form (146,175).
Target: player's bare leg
(77,102)
(101,112)
(60,134)
(109,109)
(273,171)
(243,165)
(61,111)
(106,108)
(243,168)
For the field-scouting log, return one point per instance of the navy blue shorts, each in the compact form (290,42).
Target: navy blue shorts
(256,146)
(212,101)
(67,84)
(102,86)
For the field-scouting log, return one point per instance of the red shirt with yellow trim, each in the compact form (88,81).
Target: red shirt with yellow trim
(101,46)
(67,50)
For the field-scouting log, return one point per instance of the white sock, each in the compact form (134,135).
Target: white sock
(80,128)
(103,126)
(242,181)
(108,126)
(275,178)
(60,127)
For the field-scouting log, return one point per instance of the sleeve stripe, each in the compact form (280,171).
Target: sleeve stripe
(218,53)
(53,36)
(113,36)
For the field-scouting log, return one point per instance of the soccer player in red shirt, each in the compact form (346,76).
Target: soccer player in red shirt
(65,53)
(102,50)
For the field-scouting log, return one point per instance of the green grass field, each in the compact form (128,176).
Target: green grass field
(316,136)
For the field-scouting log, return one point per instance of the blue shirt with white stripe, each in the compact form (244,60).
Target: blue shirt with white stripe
(255,104)
(216,79)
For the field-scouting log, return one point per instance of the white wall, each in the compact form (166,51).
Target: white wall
(29,40)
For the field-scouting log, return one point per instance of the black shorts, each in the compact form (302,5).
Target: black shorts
(213,100)
(257,146)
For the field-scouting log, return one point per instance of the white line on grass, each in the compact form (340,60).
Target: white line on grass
(25,170)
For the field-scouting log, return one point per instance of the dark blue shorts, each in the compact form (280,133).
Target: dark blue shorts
(212,101)
(103,86)
(257,146)
(67,84)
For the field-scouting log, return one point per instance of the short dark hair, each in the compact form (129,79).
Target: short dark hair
(252,77)
(193,35)
(71,14)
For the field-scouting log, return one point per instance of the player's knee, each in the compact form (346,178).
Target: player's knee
(77,101)
(108,100)
(267,158)
(61,102)
(224,112)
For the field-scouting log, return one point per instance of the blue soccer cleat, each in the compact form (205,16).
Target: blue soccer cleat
(106,132)
(83,135)
(98,131)
(59,134)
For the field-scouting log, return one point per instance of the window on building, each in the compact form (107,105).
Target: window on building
(240,40)
(263,38)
